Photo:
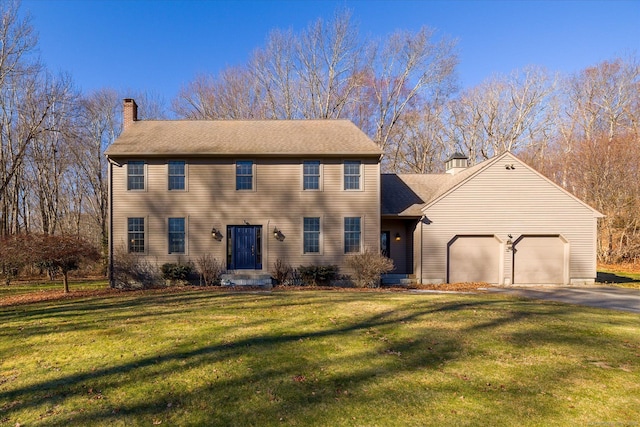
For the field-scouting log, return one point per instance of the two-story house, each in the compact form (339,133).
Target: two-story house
(310,192)
(246,192)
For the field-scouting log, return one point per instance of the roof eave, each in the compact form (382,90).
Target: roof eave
(271,155)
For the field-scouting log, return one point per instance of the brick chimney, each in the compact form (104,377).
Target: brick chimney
(129,113)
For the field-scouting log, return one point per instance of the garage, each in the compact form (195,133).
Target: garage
(474,259)
(539,260)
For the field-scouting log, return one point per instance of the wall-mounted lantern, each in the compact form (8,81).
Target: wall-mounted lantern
(277,234)
(510,243)
(216,234)
(398,238)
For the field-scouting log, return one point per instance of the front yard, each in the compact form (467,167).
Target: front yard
(203,357)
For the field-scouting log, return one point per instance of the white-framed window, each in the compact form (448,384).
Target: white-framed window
(352,234)
(311,235)
(135,175)
(352,174)
(177,235)
(135,235)
(244,175)
(311,175)
(177,174)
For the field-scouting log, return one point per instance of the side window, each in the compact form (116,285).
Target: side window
(311,237)
(177,236)
(352,174)
(135,227)
(244,175)
(311,175)
(177,175)
(352,233)
(135,175)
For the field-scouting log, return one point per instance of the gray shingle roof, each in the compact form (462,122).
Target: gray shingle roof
(407,194)
(243,137)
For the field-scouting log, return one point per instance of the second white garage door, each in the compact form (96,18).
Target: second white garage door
(539,260)
(474,259)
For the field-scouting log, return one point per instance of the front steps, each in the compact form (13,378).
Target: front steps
(397,280)
(257,280)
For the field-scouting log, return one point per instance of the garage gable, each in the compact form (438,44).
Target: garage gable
(505,175)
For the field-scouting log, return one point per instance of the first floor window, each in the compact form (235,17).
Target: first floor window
(135,228)
(176,175)
(244,175)
(135,175)
(176,235)
(352,232)
(311,235)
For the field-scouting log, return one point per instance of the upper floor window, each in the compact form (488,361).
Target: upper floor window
(177,235)
(352,174)
(177,175)
(311,175)
(135,175)
(352,233)
(135,227)
(244,175)
(311,235)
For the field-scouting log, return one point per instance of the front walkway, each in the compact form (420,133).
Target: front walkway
(622,299)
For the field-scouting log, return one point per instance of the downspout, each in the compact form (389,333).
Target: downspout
(421,248)
(110,203)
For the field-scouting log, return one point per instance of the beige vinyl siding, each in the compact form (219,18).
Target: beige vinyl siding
(277,201)
(499,202)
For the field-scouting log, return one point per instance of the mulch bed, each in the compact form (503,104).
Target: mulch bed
(45,296)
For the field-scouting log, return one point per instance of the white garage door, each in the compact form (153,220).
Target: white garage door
(539,260)
(474,259)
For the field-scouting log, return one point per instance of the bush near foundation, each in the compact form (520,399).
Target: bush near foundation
(318,275)
(210,270)
(176,271)
(367,268)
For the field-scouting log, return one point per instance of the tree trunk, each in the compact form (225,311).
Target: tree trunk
(65,281)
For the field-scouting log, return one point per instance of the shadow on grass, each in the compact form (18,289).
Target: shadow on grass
(606,277)
(233,400)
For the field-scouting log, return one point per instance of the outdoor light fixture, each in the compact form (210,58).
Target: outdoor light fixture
(278,234)
(509,167)
(398,237)
(216,234)
(510,243)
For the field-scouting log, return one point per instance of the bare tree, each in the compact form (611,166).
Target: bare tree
(503,114)
(151,105)
(17,67)
(48,160)
(99,125)
(404,70)
(232,95)
(421,146)
(328,72)
(273,70)
(329,56)
(598,144)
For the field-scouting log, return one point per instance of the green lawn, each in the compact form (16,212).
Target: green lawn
(316,358)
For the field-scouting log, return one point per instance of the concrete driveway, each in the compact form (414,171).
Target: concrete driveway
(622,299)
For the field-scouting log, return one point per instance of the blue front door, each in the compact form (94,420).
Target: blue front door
(244,247)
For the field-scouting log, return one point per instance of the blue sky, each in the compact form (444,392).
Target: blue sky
(160,45)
